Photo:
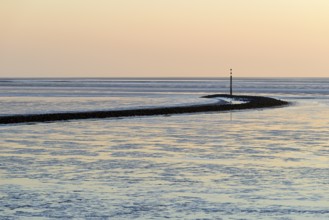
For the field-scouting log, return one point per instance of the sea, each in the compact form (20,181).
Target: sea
(244,164)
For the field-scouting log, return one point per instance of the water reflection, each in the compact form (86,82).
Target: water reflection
(263,164)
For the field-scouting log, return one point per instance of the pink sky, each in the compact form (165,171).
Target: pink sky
(164,38)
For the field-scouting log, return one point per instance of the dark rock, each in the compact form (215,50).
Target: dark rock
(252,103)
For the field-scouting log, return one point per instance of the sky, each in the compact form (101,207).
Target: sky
(164,38)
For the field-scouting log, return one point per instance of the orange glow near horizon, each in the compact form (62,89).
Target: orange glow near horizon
(164,38)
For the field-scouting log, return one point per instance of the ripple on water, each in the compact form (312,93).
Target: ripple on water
(269,164)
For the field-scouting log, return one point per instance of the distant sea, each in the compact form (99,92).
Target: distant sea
(250,164)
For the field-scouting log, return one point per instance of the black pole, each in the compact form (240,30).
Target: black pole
(231,84)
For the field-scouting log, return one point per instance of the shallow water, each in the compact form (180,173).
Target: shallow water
(252,164)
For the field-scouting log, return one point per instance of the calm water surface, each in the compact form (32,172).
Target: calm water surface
(254,164)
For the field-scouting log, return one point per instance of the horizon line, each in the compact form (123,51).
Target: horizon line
(160,77)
